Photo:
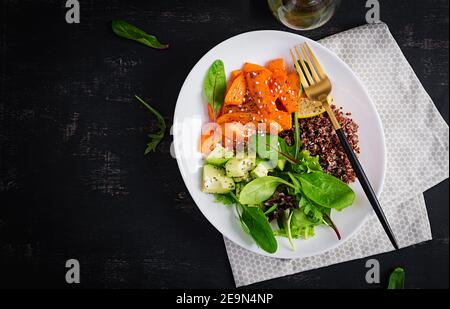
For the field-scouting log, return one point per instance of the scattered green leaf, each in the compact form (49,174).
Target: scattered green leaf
(128,31)
(397,279)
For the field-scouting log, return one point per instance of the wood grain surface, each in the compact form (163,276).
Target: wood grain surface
(73,179)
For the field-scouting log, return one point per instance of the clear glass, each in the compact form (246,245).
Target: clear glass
(303,14)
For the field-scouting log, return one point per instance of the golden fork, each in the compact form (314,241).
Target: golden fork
(318,87)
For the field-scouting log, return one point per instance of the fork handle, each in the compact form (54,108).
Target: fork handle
(367,187)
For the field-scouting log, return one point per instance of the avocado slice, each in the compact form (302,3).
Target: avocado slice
(244,179)
(219,156)
(260,170)
(215,180)
(238,168)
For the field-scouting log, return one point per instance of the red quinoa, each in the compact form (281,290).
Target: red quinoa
(319,138)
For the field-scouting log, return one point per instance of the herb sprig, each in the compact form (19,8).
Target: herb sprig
(155,138)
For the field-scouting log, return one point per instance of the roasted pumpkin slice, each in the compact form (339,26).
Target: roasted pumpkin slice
(272,113)
(258,86)
(277,83)
(238,132)
(241,117)
(276,64)
(236,93)
(291,93)
(233,76)
(251,67)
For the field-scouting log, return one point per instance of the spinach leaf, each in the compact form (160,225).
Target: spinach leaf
(259,228)
(214,85)
(128,31)
(255,223)
(326,190)
(313,212)
(225,199)
(260,190)
(241,221)
(155,138)
(397,279)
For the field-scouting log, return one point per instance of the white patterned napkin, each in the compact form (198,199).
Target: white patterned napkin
(417,151)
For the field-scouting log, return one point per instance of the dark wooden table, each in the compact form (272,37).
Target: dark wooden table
(73,179)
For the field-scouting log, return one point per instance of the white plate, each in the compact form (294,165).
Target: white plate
(348,92)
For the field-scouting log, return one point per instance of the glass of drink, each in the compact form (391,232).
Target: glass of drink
(303,14)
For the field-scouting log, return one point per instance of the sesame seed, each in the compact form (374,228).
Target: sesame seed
(257,83)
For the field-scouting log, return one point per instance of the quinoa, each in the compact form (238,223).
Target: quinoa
(318,136)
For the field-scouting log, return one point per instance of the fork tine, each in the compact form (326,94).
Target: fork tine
(303,79)
(305,68)
(316,62)
(310,64)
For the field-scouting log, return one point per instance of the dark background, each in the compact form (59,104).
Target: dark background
(73,179)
